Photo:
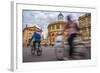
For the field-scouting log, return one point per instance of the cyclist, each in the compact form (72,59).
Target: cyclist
(72,30)
(36,39)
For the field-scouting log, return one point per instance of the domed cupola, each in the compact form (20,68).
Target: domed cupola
(60,17)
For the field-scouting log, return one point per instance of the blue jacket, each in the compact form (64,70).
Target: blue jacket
(36,37)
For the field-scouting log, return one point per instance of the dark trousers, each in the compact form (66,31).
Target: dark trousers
(35,44)
(70,43)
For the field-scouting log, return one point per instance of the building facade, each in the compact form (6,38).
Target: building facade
(54,29)
(85,26)
(27,33)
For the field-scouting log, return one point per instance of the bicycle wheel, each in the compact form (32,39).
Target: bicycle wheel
(32,51)
(39,52)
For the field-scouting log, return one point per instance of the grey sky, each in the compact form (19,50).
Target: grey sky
(43,18)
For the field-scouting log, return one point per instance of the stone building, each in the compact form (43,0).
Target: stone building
(27,33)
(85,26)
(56,27)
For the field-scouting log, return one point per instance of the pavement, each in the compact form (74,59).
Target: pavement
(48,54)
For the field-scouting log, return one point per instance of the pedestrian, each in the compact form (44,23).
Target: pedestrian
(72,32)
(59,46)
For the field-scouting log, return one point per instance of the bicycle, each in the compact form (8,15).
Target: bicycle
(35,50)
(80,49)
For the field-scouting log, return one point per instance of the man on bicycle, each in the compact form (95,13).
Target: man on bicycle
(36,40)
(72,31)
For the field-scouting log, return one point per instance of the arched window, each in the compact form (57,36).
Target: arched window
(52,34)
(53,27)
(58,27)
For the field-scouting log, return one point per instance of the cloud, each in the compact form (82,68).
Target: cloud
(43,18)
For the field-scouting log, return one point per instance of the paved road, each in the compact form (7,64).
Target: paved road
(48,54)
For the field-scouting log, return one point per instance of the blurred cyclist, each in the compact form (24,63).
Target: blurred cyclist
(72,30)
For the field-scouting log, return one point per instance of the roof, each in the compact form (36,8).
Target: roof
(32,27)
(58,22)
(60,14)
(86,15)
